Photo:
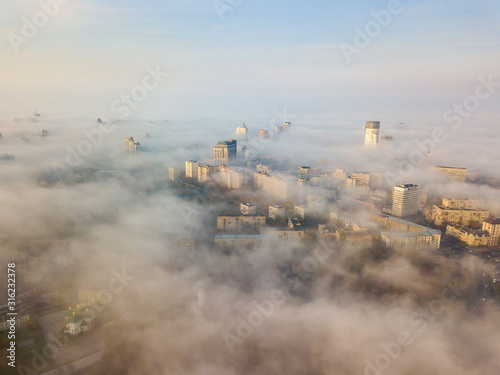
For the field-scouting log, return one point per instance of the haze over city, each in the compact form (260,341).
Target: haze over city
(249,187)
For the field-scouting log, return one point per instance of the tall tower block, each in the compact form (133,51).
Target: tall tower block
(372,131)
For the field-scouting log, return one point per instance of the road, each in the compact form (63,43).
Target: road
(483,290)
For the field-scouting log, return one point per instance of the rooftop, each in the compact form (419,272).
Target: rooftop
(240,237)
(408,234)
(493,220)
(444,167)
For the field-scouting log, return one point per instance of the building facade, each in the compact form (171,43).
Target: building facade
(276,210)
(492,226)
(372,129)
(192,169)
(174,174)
(471,237)
(405,200)
(412,239)
(442,215)
(451,173)
(131,146)
(204,172)
(225,151)
(272,185)
(248,208)
(242,132)
(239,222)
(239,241)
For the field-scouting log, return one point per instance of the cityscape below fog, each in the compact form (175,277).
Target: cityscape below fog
(229,187)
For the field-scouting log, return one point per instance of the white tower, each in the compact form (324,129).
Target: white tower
(405,200)
(372,131)
(192,169)
(242,132)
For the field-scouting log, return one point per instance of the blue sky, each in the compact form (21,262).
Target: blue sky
(261,55)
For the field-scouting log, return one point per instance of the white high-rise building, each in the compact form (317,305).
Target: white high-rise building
(174,174)
(405,200)
(192,169)
(372,131)
(242,132)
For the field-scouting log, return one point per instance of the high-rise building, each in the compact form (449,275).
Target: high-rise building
(304,173)
(192,169)
(204,172)
(225,151)
(131,146)
(263,134)
(232,178)
(405,200)
(287,125)
(372,131)
(242,132)
(274,186)
(492,226)
(351,184)
(248,208)
(276,210)
(174,174)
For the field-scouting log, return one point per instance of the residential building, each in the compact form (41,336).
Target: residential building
(232,178)
(204,172)
(276,211)
(248,208)
(192,169)
(328,231)
(263,134)
(443,216)
(239,241)
(225,151)
(405,200)
(463,204)
(242,132)
(427,238)
(174,174)
(471,237)
(237,222)
(357,238)
(404,233)
(304,173)
(132,146)
(295,224)
(272,185)
(492,226)
(372,129)
(451,173)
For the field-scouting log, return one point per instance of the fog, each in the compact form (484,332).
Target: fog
(315,309)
